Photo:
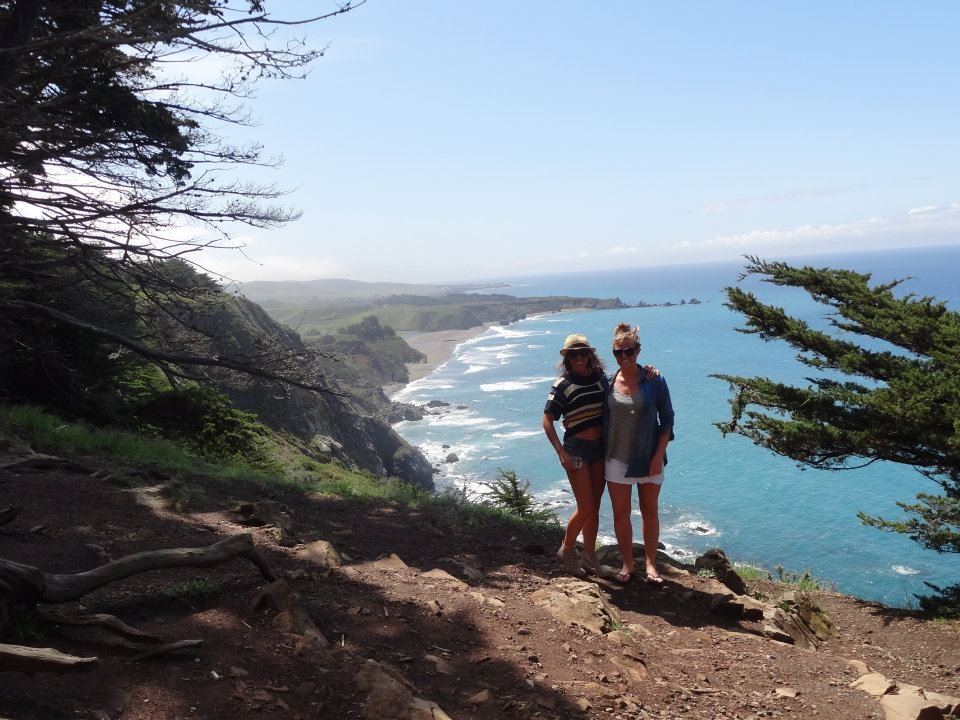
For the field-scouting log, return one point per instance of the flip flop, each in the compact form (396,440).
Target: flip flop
(622,577)
(606,572)
(654,579)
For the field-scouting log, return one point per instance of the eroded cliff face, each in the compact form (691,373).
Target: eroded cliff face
(349,424)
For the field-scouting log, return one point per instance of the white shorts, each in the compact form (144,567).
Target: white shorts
(616,472)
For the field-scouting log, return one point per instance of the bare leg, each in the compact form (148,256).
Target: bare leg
(649,498)
(592,526)
(621,497)
(586,517)
(586,514)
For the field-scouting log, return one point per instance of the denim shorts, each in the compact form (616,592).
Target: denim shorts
(586,452)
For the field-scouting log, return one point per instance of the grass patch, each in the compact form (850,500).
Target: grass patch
(752,573)
(195,589)
(805,581)
(289,466)
(25,627)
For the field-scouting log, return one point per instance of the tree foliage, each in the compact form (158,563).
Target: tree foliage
(112,175)
(369,329)
(887,388)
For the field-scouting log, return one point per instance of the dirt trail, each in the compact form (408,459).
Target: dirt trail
(462,618)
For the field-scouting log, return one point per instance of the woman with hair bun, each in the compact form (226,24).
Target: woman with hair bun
(637,425)
(577,396)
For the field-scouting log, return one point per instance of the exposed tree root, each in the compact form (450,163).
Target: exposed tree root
(9,513)
(101,620)
(24,585)
(169,647)
(17,658)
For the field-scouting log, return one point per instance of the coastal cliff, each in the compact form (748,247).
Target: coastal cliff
(350,423)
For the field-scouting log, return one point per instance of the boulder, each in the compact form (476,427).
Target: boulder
(390,562)
(464,570)
(716,561)
(291,616)
(322,553)
(409,464)
(268,513)
(389,696)
(575,602)
(874,684)
(164,496)
(910,706)
(399,411)
(443,576)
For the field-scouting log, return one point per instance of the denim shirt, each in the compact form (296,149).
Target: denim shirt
(656,418)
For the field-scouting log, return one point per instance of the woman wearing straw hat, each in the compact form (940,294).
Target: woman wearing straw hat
(577,397)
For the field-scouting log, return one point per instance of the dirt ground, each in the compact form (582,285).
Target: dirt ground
(480,648)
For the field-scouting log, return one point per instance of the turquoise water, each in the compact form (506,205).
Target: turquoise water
(719,492)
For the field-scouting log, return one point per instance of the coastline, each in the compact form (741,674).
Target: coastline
(438,347)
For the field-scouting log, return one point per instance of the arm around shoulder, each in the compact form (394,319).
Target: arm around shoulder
(664,405)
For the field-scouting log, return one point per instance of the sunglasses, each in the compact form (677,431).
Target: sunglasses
(581,353)
(626,352)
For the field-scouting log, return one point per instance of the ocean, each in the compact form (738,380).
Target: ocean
(760,508)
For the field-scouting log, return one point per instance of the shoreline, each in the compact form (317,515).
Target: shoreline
(438,346)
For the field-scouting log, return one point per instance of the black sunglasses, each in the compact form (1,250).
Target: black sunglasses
(579,353)
(626,352)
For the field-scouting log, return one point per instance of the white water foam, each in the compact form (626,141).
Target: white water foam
(513,385)
(430,382)
(511,333)
(516,434)
(904,570)
(498,348)
(459,420)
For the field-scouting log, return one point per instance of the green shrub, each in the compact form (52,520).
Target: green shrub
(508,491)
(204,420)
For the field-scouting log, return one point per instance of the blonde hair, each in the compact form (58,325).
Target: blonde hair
(624,331)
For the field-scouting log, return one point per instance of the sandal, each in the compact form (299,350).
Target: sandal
(568,558)
(623,577)
(654,579)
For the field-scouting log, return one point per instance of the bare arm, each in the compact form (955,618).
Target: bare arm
(665,411)
(656,462)
(551,431)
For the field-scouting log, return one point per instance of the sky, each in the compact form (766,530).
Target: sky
(442,141)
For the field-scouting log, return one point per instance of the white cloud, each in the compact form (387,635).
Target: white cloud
(928,225)
(934,211)
(246,265)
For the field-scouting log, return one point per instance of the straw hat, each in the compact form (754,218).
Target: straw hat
(576,342)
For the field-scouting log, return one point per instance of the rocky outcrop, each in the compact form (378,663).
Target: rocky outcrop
(902,701)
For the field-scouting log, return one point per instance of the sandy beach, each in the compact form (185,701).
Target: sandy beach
(438,347)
